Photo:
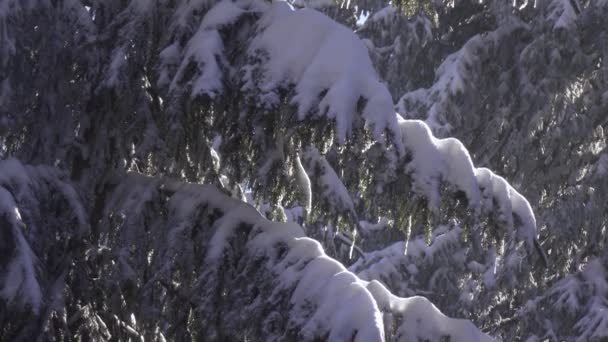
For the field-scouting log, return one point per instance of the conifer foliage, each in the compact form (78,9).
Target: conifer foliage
(255,170)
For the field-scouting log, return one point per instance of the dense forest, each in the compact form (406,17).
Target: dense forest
(308,170)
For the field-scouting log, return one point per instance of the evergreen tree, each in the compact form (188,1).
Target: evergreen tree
(114,113)
(523,86)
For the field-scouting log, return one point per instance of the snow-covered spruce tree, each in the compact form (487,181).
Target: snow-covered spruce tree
(523,84)
(112,111)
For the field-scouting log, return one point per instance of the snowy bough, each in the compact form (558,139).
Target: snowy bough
(212,261)
(109,234)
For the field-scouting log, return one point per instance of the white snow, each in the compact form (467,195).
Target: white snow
(384,261)
(342,305)
(169,58)
(385,264)
(594,324)
(20,189)
(567,293)
(422,320)
(369,227)
(327,299)
(447,160)
(333,188)
(119,59)
(308,49)
(316,4)
(202,49)
(303,182)
(205,49)
(21,283)
(436,160)
(223,13)
(511,204)
(344,301)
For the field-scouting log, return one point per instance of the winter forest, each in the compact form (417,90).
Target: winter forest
(304,170)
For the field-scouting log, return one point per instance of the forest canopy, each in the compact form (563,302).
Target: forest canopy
(420,170)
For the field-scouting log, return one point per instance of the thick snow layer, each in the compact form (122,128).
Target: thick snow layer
(20,281)
(447,160)
(385,262)
(325,298)
(308,49)
(343,307)
(368,227)
(223,13)
(385,14)
(511,204)
(303,182)
(331,70)
(204,49)
(594,325)
(436,160)
(20,187)
(422,320)
(333,188)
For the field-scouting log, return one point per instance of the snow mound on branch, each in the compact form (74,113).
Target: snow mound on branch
(437,160)
(21,190)
(308,49)
(224,13)
(511,204)
(344,308)
(422,320)
(20,282)
(204,50)
(579,297)
(333,190)
(325,299)
(434,160)
(400,263)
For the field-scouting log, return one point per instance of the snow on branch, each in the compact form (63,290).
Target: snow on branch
(447,160)
(205,51)
(268,278)
(578,300)
(329,69)
(319,56)
(309,49)
(421,320)
(19,284)
(23,229)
